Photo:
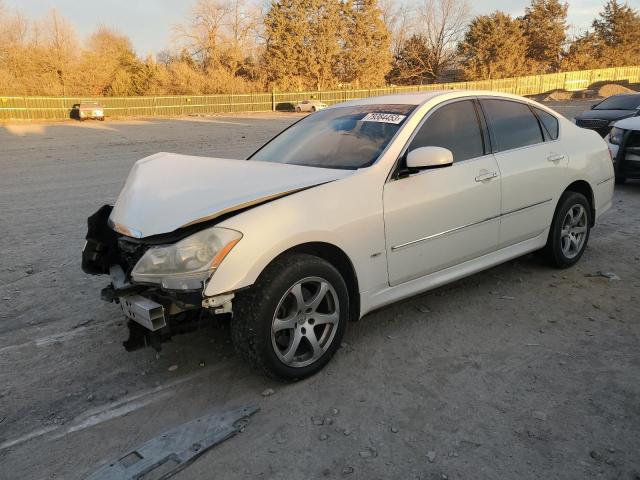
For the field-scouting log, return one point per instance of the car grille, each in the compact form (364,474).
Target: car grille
(634,140)
(591,123)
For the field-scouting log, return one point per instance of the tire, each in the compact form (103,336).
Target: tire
(313,109)
(298,110)
(570,229)
(621,180)
(265,326)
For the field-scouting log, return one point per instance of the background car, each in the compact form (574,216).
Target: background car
(88,110)
(602,115)
(624,145)
(310,106)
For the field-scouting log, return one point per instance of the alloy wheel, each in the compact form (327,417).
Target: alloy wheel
(574,231)
(305,322)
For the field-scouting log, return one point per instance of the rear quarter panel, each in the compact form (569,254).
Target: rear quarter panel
(590,160)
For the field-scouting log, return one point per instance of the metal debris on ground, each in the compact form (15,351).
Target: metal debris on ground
(609,275)
(167,454)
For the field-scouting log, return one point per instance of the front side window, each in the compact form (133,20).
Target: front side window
(344,137)
(512,124)
(455,127)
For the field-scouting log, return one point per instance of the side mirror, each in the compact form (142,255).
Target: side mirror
(429,157)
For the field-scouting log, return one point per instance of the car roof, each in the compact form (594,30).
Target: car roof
(625,95)
(420,98)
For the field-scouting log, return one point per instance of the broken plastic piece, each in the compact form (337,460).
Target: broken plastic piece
(167,454)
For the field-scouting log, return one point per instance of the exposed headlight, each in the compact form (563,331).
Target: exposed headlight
(615,136)
(185,265)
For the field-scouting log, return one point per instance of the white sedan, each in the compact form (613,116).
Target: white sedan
(352,208)
(310,106)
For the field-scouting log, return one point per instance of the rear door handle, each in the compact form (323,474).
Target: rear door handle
(486,176)
(556,157)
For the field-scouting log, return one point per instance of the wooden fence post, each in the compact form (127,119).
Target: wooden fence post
(273,99)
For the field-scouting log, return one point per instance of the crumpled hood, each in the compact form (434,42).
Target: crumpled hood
(632,123)
(167,191)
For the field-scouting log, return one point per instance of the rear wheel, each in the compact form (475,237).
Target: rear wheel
(570,230)
(313,109)
(291,322)
(298,109)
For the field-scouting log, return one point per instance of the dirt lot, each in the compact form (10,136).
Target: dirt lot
(517,372)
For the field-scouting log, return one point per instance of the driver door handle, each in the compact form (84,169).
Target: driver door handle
(555,157)
(486,176)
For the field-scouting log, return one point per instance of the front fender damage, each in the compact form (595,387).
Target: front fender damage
(154,315)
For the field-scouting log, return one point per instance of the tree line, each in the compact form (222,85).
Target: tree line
(233,46)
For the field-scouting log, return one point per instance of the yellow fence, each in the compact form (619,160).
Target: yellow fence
(26,108)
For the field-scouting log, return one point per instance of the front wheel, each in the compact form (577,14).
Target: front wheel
(291,322)
(298,109)
(570,230)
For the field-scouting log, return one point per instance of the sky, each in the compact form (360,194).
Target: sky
(148,23)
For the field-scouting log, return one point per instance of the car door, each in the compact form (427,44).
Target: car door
(532,163)
(436,218)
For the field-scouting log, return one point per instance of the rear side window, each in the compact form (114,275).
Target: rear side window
(513,124)
(549,122)
(454,126)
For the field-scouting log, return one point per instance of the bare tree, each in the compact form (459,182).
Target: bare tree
(443,25)
(399,19)
(201,36)
(219,33)
(61,44)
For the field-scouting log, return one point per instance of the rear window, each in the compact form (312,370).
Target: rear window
(513,124)
(619,102)
(549,122)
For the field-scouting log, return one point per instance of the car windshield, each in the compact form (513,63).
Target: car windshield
(343,137)
(622,102)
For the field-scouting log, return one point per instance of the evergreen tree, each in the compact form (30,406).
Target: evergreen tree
(618,31)
(367,44)
(494,47)
(583,53)
(545,26)
(411,64)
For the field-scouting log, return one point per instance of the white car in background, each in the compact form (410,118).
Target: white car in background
(624,145)
(347,210)
(310,106)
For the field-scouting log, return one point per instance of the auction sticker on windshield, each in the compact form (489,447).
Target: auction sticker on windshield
(384,118)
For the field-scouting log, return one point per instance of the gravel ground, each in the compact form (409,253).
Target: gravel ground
(517,372)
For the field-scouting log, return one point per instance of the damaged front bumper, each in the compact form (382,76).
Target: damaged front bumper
(154,313)
(626,155)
